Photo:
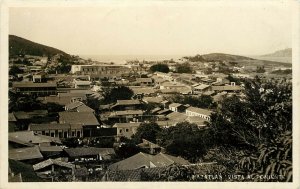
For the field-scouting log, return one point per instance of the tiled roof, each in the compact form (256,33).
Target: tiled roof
(76,126)
(31,84)
(28,137)
(169,91)
(74,105)
(142,90)
(62,98)
(49,162)
(143,79)
(196,119)
(131,175)
(25,153)
(134,162)
(176,116)
(153,99)
(72,94)
(164,102)
(81,91)
(208,93)
(143,160)
(199,110)
(166,123)
(88,151)
(125,125)
(226,88)
(155,110)
(55,99)
(128,102)
(26,170)
(202,86)
(78,82)
(164,111)
(175,105)
(51,148)
(126,112)
(84,118)
(11,117)
(48,126)
(84,108)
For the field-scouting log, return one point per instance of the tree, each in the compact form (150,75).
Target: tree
(24,102)
(54,107)
(93,103)
(127,148)
(63,68)
(197,58)
(185,140)
(260,69)
(208,71)
(184,68)
(14,70)
(206,101)
(234,79)
(160,68)
(148,131)
(263,133)
(111,95)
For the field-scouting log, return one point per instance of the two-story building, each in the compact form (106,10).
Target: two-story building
(58,130)
(38,89)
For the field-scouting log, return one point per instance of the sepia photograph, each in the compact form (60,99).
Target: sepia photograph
(195,92)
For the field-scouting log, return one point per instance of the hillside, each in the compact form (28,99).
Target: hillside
(18,45)
(242,60)
(281,53)
(224,57)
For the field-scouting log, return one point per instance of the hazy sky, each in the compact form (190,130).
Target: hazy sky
(158,28)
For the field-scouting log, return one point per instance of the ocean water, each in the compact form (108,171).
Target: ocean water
(121,59)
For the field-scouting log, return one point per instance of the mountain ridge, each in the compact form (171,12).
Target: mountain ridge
(280,53)
(21,46)
(224,57)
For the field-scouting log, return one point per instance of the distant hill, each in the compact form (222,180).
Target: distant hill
(281,53)
(21,46)
(224,57)
(241,60)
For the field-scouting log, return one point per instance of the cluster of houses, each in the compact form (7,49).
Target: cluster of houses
(36,137)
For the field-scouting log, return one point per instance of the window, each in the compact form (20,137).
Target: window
(127,130)
(120,131)
(43,132)
(52,134)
